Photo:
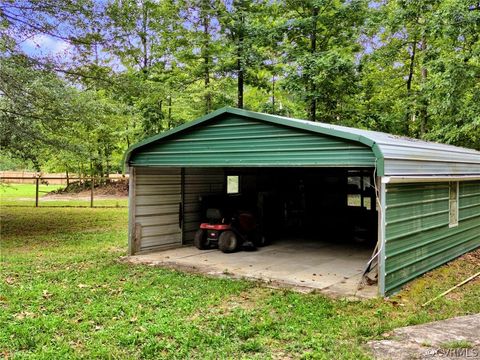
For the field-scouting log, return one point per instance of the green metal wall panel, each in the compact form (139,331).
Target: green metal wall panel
(238,141)
(418,237)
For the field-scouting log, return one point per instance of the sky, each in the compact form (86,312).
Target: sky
(44,45)
(41,45)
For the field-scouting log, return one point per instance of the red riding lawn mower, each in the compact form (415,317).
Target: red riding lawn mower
(229,234)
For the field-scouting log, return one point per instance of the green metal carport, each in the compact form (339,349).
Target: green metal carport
(428,194)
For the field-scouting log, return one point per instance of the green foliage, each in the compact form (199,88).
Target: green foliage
(320,48)
(8,162)
(136,68)
(421,76)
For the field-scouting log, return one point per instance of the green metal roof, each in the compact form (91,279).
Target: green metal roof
(394,155)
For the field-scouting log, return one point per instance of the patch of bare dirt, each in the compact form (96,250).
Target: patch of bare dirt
(246,300)
(472,257)
(112,190)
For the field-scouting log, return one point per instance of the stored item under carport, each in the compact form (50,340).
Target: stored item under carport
(229,234)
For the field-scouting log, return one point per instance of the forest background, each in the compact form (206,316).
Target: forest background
(82,80)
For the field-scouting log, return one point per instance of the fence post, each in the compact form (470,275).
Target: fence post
(36,191)
(92,185)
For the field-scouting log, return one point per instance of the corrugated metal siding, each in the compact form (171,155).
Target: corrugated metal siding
(198,182)
(157,199)
(237,141)
(418,236)
(469,196)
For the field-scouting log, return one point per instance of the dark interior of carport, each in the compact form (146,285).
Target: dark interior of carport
(317,208)
(332,204)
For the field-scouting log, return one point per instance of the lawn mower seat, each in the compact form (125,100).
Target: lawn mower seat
(214,216)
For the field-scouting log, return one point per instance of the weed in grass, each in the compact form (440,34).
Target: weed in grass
(456,344)
(251,345)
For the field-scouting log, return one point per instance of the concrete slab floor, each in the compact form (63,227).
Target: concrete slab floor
(306,265)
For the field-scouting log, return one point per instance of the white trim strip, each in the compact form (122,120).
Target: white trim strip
(382,256)
(416,179)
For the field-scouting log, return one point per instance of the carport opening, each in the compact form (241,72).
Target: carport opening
(321,225)
(315,204)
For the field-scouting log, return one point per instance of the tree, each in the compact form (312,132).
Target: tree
(135,68)
(422,70)
(320,48)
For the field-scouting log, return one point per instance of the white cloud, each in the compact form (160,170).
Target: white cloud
(45,45)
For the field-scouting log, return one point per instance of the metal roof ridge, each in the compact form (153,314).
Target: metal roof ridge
(376,140)
(415,142)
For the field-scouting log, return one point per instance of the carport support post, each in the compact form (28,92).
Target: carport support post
(182,204)
(131,211)
(381,236)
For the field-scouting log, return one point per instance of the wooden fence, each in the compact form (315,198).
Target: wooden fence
(28,177)
(37,180)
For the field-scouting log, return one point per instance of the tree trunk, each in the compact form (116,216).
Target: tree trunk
(126,136)
(205,54)
(159,126)
(273,94)
(424,103)
(91,171)
(240,55)
(82,171)
(169,114)
(411,68)
(240,79)
(313,49)
(143,38)
(99,163)
(107,165)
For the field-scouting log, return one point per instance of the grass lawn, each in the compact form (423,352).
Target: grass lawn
(27,191)
(64,294)
(24,194)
